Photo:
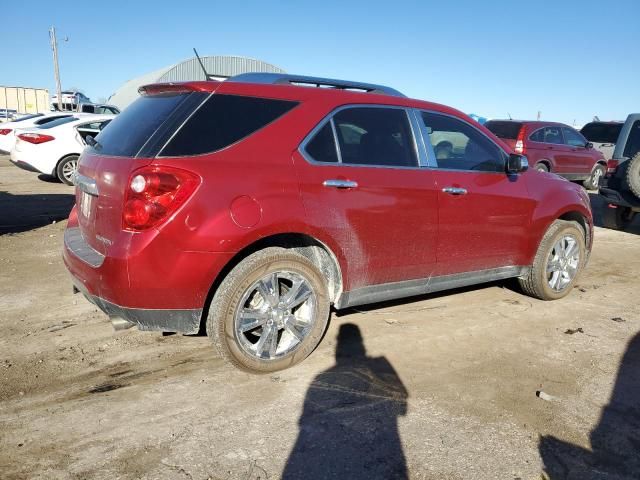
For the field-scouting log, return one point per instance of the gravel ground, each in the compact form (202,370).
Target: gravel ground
(436,387)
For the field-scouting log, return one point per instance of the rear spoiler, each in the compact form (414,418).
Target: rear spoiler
(175,88)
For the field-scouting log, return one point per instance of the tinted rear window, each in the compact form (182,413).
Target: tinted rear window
(27,117)
(56,122)
(222,121)
(507,130)
(601,132)
(130,130)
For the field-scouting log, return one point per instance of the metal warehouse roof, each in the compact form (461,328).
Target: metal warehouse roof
(216,65)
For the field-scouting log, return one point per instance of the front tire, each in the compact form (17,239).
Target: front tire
(558,262)
(617,217)
(66,169)
(270,312)
(592,182)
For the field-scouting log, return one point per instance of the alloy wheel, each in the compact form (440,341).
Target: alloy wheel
(563,262)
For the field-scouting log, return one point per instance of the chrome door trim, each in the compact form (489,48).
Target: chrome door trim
(336,183)
(455,190)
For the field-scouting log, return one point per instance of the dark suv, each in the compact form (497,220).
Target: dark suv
(553,147)
(251,206)
(621,186)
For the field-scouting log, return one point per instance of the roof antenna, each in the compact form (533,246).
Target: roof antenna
(509,115)
(206,75)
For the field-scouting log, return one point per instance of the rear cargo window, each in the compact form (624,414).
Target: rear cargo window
(129,131)
(601,132)
(222,121)
(508,130)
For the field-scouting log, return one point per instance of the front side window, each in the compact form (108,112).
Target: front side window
(459,146)
(573,138)
(547,135)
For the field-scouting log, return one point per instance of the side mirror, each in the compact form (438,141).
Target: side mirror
(517,163)
(589,145)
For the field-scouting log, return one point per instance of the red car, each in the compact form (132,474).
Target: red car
(251,206)
(553,147)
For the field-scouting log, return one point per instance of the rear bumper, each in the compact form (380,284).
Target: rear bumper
(167,293)
(615,196)
(24,165)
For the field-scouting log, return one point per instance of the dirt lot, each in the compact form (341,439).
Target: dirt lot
(446,388)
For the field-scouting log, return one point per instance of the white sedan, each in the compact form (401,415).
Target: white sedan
(54,148)
(8,129)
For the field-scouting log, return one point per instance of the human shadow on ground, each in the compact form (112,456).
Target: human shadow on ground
(615,441)
(349,423)
(20,213)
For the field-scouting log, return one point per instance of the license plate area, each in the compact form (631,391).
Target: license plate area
(86,205)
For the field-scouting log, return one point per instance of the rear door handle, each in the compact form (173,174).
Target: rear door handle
(335,183)
(455,190)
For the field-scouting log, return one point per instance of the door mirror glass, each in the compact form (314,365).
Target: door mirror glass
(517,163)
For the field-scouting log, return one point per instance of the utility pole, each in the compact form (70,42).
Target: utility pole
(56,68)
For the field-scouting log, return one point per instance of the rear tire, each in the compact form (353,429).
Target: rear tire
(257,320)
(617,218)
(558,262)
(66,169)
(542,167)
(632,175)
(592,182)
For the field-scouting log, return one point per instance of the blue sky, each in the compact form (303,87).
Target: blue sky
(568,59)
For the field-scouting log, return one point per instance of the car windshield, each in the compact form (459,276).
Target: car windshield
(55,123)
(602,132)
(507,130)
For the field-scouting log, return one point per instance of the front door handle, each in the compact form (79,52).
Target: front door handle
(455,190)
(335,183)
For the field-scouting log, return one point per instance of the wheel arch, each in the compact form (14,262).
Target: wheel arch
(308,246)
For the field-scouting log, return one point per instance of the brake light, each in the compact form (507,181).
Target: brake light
(154,194)
(5,131)
(35,138)
(519,148)
(612,166)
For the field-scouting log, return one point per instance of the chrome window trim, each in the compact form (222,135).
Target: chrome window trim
(429,146)
(329,118)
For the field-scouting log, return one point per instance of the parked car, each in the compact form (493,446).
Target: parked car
(603,136)
(250,206)
(6,115)
(621,186)
(70,100)
(553,147)
(54,148)
(8,130)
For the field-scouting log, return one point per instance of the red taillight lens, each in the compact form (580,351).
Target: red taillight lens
(154,194)
(519,148)
(5,131)
(612,166)
(36,138)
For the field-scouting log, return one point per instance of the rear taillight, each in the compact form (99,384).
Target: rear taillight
(5,131)
(519,148)
(612,166)
(36,138)
(154,194)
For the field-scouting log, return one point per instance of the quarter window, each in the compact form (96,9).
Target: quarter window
(459,146)
(322,147)
(573,138)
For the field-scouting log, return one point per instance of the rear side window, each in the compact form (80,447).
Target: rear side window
(129,131)
(222,121)
(547,135)
(633,142)
(601,132)
(508,130)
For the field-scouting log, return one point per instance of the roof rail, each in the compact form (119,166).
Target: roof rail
(302,80)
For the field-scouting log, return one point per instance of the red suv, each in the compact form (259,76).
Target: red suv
(251,206)
(553,147)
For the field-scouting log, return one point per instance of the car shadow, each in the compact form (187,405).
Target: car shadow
(349,422)
(615,441)
(20,213)
(598,204)
(43,177)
